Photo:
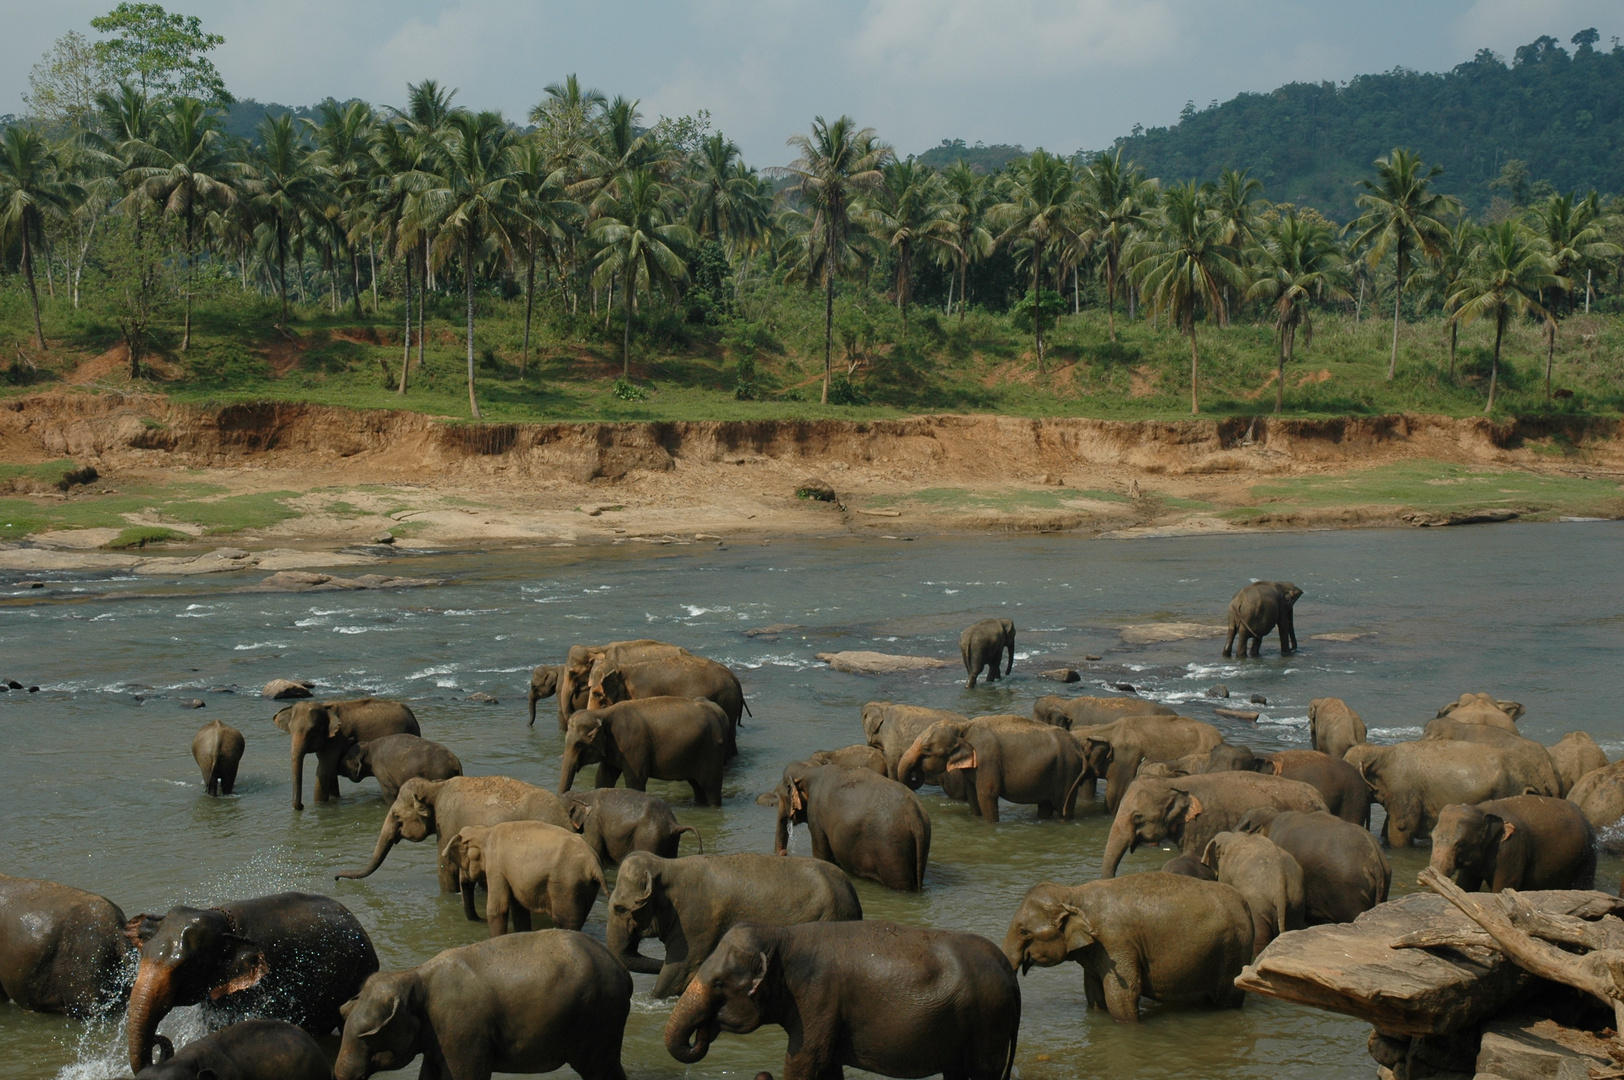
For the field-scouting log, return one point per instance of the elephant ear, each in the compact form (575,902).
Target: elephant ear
(1076,928)
(335,727)
(394,1008)
(963,758)
(1190,809)
(1502,826)
(1209,855)
(758,972)
(283,717)
(348,1007)
(244,967)
(141,928)
(797,795)
(579,811)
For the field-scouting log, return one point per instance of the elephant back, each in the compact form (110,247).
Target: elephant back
(316,956)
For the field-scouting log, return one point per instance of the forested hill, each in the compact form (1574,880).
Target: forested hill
(1561,112)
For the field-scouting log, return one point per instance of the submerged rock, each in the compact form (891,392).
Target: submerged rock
(302,581)
(875,663)
(282,689)
(1159,633)
(1061,674)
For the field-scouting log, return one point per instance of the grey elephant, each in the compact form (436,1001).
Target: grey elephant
(526,868)
(689,903)
(1266,875)
(1344,790)
(1259,608)
(891,728)
(1333,726)
(856,756)
(1575,756)
(682,676)
(1525,842)
(1081,712)
(618,821)
(1115,751)
(571,682)
(522,1003)
(1168,937)
(1192,810)
(659,738)
(328,728)
(61,949)
(1001,757)
(1415,780)
(1525,756)
(395,759)
(250,1050)
(1600,795)
(1344,871)
(982,647)
(868,825)
(544,683)
(1480,708)
(1189,866)
(443,808)
(217,748)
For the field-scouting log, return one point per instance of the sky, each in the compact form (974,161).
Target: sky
(1062,74)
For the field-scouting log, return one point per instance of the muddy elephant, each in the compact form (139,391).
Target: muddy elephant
(522,1003)
(1259,608)
(892,728)
(1081,712)
(1345,873)
(1189,866)
(683,677)
(1483,709)
(1192,810)
(868,825)
(1171,938)
(618,821)
(982,648)
(856,756)
(526,868)
(659,738)
(217,748)
(443,808)
(1266,875)
(689,903)
(544,683)
(291,956)
(1115,751)
(395,759)
(571,682)
(1526,757)
(1600,795)
(1344,790)
(1333,726)
(250,1050)
(61,949)
(890,999)
(1575,756)
(1525,842)
(1001,757)
(1415,780)
(327,728)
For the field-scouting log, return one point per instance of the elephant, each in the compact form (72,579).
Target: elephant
(1344,790)
(327,728)
(1600,795)
(659,738)
(443,808)
(250,1050)
(1483,709)
(1415,780)
(1189,866)
(1333,726)
(982,647)
(868,825)
(1191,810)
(571,682)
(521,1003)
(1344,871)
(891,728)
(618,821)
(683,676)
(890,999)
(526,867)
(292,956)
(1266,875)
(1259,608)
(1080,712)
(1529,758)
(61,949)
(856,756)
(1115,751)
(1525,842)
(1168,937)
(1576,756)
(1009,757)
(689,903)
(544,683)
(217,748)
(395,759)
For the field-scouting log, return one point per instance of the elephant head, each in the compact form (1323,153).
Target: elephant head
(465,854)
(1097,756)
(726,993)
(1406,813)
(585,743)
(873,721)
(411,817)
(791,800)
(1289,595)
(1151,811)
(1465,843)
(1048,928)
(605,686)
(354,763)
(310,724)
(544,682)
(382,1026)
(1257,820)
(1227,758)
(187,956)
(633,912)
(940,748)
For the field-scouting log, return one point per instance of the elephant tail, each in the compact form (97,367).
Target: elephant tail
(1014,1039)
(699,839)
(1068,805)
(746,705)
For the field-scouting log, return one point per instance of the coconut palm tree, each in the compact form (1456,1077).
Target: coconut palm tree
(282,189)
(1404,215)
(1509,268)
(1117,202)
(32,190)
(1574,232)
(640,243)
(1445,271)
(344,135)
(1183,266)
(1039,201)
(546,213)
(969,198)
(836,164)
(909,212)
(1299,262)
(403,168)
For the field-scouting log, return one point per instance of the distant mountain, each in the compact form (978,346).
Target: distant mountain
(242,117)
(980,157)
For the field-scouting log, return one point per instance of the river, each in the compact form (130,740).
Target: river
(101,792)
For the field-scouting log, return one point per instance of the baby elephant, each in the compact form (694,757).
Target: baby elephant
(1259,608)
(395,759)
(1524,842)
(982,647)
(217,749)
(1268,877)
(867,824)
(657,738)
(618,821)
(251,1050)
(529,867)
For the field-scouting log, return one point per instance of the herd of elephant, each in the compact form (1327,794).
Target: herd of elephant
(1267,843)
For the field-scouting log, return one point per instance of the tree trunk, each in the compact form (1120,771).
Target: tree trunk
(626,331)
(468,283)
(406,349)
(282,272)
(422,303)
(1454,336)
(828,323)
(1195,362)
(1359,305)
(1588,274)
(1550,358)
(1037,301)
(186,319)
(33,290)
(1280,384)
(1110,296)
(952,280)
(372,262)
(1398,295)
(529,306)
(1494,370)
(964,283)
(355,281)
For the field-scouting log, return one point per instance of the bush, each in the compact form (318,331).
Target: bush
(626,390)
(745,335)
(842,391)
(225,363)
(744,386)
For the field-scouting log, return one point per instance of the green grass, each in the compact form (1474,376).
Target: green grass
(142,535)
(196,504)
(1442,487)
(940,499)
(49,472)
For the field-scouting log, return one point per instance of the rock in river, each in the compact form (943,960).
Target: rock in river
(875,663)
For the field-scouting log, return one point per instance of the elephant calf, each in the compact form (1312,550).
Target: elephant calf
(892,728)
(1333,726)
(251,1050)
(1115,751)
(1191,810)
(1080,712)
(1575,757)
(217,748)
(982,648)
(1345,873)
(1000,757)
(523,1003)
(327,728)
(1483,709)
(1526,842)
(1260,607)
(526,867)
(1266,875)
(658,738)
(868,825)
(1170,938)
(61,949)
(618,821)
(395,759)
(683,677)
(857,756)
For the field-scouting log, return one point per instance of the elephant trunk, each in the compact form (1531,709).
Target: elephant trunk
(1118,844)
(533,698)
(689,1032)
(388,837)
(567,769)
(910,762)
(622,939)
(298,777)
(781,831)
(150,1002)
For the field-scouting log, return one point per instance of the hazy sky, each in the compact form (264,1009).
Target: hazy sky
(1062,74)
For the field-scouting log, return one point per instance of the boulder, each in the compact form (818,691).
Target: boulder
(282,689)
(483,698)
(1160,633)
(772,631)
(1061,674)
(302,581)
(1220,691)
(1536,1048)
(875,663)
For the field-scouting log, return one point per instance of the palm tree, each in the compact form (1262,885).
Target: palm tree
(909,211)
(1402,214)
(1509,269)
(1117,201)
(1300,262)
(1184,266)
(545,211)
(282,190)
(969,200)
(836,164)
(401,161)
(1573,230)
(1040,199)
(1445,272)
(640,242)
(1232,198)
(32,189)
(344,136)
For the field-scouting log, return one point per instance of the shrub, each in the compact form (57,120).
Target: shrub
(626,390)
(744,386)
(225,363)
(842,391)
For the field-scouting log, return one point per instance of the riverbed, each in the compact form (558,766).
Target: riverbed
(101,792)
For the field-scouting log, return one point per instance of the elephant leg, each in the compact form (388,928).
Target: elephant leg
(228,778)
(496,908)
(608,775)
(987,795)
(1045,810)
(634,782)
(1286,643)
(468,909)
(448,874)
(522,919)
(327,761)
(1229,645)
(1122,989)
(811,1062)
(1093,987)
(599,1059)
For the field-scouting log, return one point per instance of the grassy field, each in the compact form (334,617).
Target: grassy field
(204,507)
(1439,487)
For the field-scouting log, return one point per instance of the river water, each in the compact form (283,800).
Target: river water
(99,789)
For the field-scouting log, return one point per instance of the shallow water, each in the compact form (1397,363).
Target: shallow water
(101,792)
